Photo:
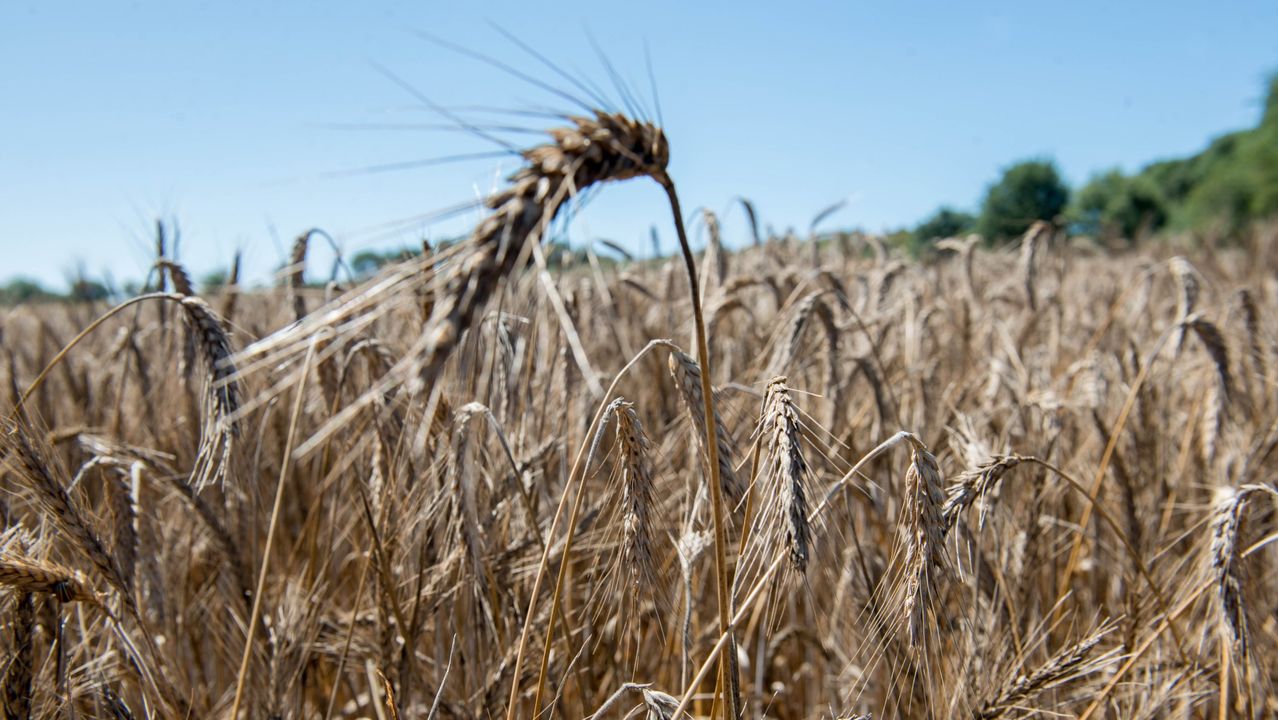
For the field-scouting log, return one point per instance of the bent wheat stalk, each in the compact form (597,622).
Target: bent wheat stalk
(601,148)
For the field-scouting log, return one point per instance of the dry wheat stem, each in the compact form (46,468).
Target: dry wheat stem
(727,678)
(285,466)
(574,476)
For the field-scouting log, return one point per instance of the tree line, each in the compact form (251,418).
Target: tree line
(1222,190)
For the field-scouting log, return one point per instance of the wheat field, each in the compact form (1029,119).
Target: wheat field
(992,482)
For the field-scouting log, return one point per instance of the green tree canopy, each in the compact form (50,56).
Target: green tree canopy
(1113,206)
(945,222)
(1228,185)
(213,280)
(21,289)
(1028,191)
(86,290)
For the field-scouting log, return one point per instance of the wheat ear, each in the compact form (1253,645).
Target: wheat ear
(925,540)
(783,512)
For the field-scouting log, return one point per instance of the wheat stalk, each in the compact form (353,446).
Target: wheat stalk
(1069,664)
(177,274)
(297,274)
(924,525)
(593,149)
(975,485)
(27,575)
(51,494)
(1187,296)
(687,376)
(1225,561)
(1031,244)
(17,686)
(637,499)
(783,509)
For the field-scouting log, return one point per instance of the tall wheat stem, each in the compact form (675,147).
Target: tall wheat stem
(285,465)
(712,447)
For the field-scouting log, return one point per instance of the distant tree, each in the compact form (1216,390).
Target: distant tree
(20,290)
(213,280)
(1230,184)
(1113,206)
(903,238)
(945,223)
(86,290)
(367,262)
(1028,191)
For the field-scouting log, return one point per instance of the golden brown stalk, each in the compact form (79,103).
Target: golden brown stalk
(687,376)
(975,485)
(1031,243)
(37,474)
(297,274)
(729,680)
(601,148)
(1069,664)
(27,575)
(231,290)
(17,679)
(1187,296)
(177,274)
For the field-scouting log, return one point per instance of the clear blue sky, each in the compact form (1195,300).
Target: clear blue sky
(231,117)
